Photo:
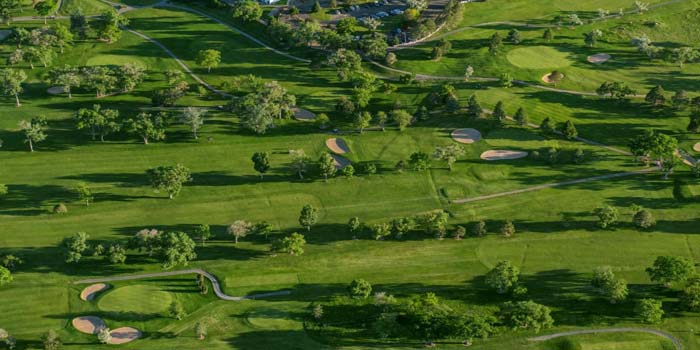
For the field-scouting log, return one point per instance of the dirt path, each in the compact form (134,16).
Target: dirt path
(210,277)
(676,342)
(554,184)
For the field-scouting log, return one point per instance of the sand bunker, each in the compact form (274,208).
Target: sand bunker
(337,146)
(124,335)
(599,58)
(303,114)
(340,162)
(90,292)
(467,135)
(55,90)
(696,148)
(547,78)
(88,324)
(4,34)
(502,155)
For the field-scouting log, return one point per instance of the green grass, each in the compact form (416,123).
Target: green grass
(87,7)
(138,299)
(538,57)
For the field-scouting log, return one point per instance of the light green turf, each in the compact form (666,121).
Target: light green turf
(114,60)
(138,299)
(539,57)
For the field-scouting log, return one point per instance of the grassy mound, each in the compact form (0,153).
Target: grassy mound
(140,299)
(113,60)
(538,57)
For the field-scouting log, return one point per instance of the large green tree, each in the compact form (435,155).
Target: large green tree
(669,269)
(169,178)
(99,121)
(503,277)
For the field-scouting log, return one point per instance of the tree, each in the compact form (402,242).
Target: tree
(591,38)
(390,59)
(194,118)
(449,154)
(508,229)
(669,269)
(526,315)
(548,35)
(66,77)
(33,131)
(5,276)
(345,62)
(45,8)
(116,254)
(327,165)
(99,121)
(260,108)
(308,216)
(402,118)
(479,229)
(651,144)
(655,96)
(691,296)
(569,130)
(51,340)
(79,24)
(11,261)
(177,248)
(110,28)
(239,229)
(499,113)
(261,162)
(514,36)
(149,127)
(555,77)
(146,239)
(641,6)
(607,216)
(203,232)
(11,82)
(129,76)
(360,288)
(169,178)
(84,193)
(209,58)
(176,310)
(644,219)
(474,109)
(401,226)
(99,78)
(362,120)
(616,291)
(104,335)
(547,126)
(680,100)
(374,45)
(649,310)
(419,161)
(506,80)
(682,55)
(75,246)
(292,245)
(520,117)
(200,330)
(495,43)
(503,277)
(299,162)
(248,10)
(602,276)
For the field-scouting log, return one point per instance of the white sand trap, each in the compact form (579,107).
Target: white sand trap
(55,90)
(88,324)
(91,291)
(467,135)
(599,58)
(696,148)
(303,114)
(547,78)
(4,34)
(124,335)
(337,146)
(502,155)
(340,162)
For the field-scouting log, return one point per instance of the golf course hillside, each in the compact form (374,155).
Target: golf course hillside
(404,174)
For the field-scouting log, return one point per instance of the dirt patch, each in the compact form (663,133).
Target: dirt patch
(340,162)
(303,114)
(124,335)
(502,155)
(4,34)
(90,292)
(599,58)
(696,148)
(88,324)
(55,90)
(547,78)
(337,146)
(467,135)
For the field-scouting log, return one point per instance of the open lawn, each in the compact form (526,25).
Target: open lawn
(556,246)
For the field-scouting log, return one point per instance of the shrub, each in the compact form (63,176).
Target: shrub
(60,208)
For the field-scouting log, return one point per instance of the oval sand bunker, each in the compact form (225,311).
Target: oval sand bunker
(91,291)
(88,324)
(303,114)
(55,90)
(337,146)
(467,135)
(599,58)
(124,335)
(502,155)
(696,148)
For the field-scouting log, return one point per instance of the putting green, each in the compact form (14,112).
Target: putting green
(272,319)
(538,57)
(140,299)
(113,60)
